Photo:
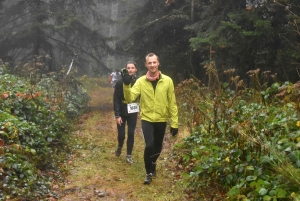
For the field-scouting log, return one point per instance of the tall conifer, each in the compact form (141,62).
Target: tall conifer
(59,29)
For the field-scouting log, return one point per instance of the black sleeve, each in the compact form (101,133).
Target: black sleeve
(118,97)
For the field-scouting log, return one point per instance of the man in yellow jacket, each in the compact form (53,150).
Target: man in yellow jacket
(158,105)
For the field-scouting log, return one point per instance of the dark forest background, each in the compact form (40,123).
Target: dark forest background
(242,35)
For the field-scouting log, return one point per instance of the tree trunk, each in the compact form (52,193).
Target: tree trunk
(112,34)
(192,70)
(37,31)
(192,11)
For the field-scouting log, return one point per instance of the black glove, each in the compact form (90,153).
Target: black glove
(125,76)
(174,131)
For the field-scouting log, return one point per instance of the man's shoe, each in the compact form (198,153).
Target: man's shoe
(148,178)
(118,151)
(153,169)
(129,159)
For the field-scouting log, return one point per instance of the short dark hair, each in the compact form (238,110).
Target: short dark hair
(151,55)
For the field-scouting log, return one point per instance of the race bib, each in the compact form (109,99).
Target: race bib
(133,107)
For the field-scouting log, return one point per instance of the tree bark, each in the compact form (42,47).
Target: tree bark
(37,22)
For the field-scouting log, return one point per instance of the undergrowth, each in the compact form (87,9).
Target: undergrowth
(244,142)
(36,115)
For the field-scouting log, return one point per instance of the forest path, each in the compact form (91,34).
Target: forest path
(97,174)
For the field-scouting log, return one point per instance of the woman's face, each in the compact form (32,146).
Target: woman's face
(131,69)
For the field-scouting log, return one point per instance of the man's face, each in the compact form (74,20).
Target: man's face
(152,64)
(131,69)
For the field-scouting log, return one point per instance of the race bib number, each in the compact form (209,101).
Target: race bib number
(133,107)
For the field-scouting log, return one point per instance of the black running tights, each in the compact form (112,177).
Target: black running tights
(131,124)
(154,133)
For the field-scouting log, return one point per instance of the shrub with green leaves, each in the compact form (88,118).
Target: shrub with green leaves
(34,131)
(245,143)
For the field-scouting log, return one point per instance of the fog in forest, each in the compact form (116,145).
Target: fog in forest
(229,106)
(101,35)
(68,39)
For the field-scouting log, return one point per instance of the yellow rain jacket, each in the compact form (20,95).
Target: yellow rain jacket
(158,105)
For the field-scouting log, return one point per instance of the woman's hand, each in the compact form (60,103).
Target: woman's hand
(119,121)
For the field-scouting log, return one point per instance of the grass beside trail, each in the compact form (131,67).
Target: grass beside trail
(97,174)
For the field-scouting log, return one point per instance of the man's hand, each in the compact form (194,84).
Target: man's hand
(125,76)
(174,131)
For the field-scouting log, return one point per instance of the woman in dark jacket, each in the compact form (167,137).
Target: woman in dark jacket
(125,112)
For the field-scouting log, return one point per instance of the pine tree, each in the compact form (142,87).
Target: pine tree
(158,27)
(245,35)
(59,29)
(240,34)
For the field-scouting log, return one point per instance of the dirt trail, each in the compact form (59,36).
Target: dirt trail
(97,174)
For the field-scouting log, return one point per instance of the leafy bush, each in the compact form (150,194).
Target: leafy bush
(244,142)
(35,126)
